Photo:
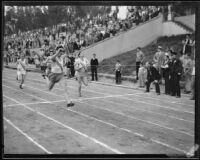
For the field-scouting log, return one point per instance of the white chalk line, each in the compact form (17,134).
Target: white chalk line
(144,103)
(65,126)
(27,136)
(124,129)
(136,94)
(161,126)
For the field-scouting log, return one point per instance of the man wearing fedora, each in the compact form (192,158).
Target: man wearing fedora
(175,75)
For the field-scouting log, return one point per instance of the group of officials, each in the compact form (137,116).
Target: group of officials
(167,67)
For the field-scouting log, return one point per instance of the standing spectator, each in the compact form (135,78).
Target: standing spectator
(139,59)
(187,67)
(175,75)
(141,75)
(193,82)
(166,69)
(94,64)
(152,76)
(187,45)
(159,59)
(118,71)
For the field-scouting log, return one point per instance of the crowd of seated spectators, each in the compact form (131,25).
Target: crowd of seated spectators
(82,32)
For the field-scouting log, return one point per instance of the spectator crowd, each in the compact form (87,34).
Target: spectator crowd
(82,32)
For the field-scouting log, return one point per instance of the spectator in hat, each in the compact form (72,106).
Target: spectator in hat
(139,59)
(94,65)
(175,75)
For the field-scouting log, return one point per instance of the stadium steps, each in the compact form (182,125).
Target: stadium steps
(184,26)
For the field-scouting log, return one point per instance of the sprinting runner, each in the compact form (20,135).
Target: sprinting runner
(81,67)
(21,69)
(56,74)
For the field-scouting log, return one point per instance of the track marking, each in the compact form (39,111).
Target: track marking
(65,126)
(136,94)
(27,136)
(161,126)
(110,124)
(170,108)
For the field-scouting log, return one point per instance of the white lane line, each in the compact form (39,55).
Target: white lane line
(27,136)
(136,101)
(164,144)
(161,126)
(11,105)
(65,126)
(124,129)
(152,112)
(88,90)
(116,85)
(136,94)
(79,99)
(23,92)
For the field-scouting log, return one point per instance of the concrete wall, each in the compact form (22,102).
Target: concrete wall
(141,36)
(172,29)
(187,20)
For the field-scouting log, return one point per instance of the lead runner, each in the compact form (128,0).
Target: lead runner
(57,74)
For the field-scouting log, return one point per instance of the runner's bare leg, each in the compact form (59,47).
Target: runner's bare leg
(63,84)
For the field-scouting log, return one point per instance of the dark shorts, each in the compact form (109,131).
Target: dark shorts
(54,78)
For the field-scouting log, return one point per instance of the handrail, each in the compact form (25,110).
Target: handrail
(120,33)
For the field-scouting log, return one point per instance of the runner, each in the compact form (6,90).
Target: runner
(57,75)
(21,69)
(81,67)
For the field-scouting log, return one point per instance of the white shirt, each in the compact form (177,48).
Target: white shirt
(19,65)
(82,65)
(55,67)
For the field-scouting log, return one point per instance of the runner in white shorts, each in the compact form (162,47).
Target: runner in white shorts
(81,67)
(21,69)
(57,74)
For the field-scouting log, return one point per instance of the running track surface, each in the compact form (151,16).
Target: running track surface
(106,120)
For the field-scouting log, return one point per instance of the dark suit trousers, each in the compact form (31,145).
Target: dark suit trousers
(176,91)
(94,73)
(157,87)
(118,77)
(137,69)
(167,83)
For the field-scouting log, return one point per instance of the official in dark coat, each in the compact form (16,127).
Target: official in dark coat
(94,65)
(175,75)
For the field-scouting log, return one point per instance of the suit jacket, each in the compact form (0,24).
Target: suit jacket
(176,67)
(94,62)
(152,74)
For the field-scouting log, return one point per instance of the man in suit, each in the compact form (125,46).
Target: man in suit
(175,75)
(94,64)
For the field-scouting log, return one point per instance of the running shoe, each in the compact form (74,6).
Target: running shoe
(70,104)
(20,86)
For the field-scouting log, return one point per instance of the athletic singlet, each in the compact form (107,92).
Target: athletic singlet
(81,66)
(19,66)
(55,67)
